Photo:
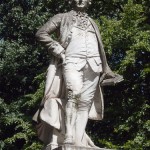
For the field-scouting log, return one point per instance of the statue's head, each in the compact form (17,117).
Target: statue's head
(80,4)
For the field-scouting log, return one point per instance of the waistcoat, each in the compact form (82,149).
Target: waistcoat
(83,46)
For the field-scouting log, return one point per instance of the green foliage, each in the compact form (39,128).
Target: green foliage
(17,128)
(125,29)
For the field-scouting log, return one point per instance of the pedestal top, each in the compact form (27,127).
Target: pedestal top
(73,147)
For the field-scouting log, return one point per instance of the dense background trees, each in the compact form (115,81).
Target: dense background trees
(125,29)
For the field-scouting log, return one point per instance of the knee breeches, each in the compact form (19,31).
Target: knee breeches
(81,85)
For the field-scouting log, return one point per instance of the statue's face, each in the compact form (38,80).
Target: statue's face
(81,4)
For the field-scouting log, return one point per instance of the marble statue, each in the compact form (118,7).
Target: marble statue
(73,85)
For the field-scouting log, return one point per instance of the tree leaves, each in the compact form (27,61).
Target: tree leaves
(125,30)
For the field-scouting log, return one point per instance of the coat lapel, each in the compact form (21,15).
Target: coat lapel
(101,47)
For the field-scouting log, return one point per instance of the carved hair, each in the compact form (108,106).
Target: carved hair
(71,1)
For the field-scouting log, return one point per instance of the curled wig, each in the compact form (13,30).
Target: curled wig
(72,1)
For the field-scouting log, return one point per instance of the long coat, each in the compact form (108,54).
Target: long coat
(51,112)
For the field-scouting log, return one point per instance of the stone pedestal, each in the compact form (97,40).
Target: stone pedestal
(73,147)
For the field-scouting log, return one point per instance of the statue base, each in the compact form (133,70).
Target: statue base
(73,147)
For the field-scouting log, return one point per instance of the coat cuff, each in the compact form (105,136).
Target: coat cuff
(57,49)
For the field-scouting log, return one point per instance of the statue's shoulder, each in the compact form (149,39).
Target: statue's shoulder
(68,14)
(60,16)
(92,20)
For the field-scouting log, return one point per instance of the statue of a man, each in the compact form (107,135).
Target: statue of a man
(72,93)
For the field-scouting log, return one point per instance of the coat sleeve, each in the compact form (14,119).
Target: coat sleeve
(44,35)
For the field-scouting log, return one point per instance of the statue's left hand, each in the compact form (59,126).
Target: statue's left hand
(107,75)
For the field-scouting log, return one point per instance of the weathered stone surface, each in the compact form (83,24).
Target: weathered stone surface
(73,147)
(73,85)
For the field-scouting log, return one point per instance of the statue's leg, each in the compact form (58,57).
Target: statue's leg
(70,117)
(81,121)
(90,82)
(73,79)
